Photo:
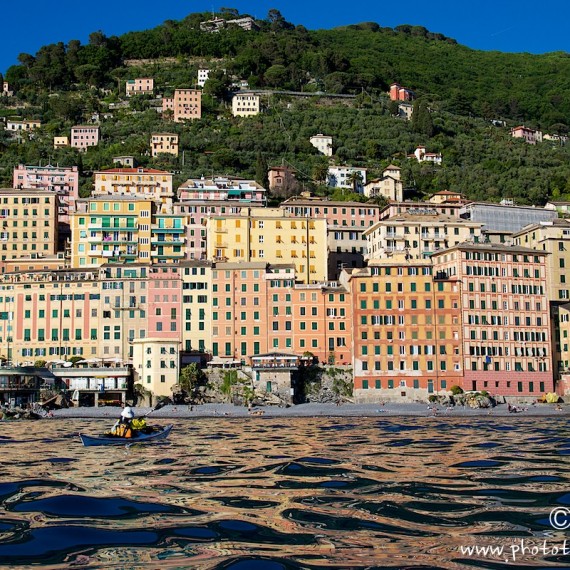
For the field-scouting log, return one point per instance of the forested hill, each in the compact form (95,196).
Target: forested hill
(534,89)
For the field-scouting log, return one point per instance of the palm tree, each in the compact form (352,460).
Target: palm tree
(355,180)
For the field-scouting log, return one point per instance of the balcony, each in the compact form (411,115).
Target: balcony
(156,229)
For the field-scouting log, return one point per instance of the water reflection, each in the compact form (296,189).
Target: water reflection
(259,493)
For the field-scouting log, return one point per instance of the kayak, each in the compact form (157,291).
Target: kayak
(139,437)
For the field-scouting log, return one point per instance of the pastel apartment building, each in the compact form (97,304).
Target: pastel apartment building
(399,93)
(168,238)
(417,236)
(223,188)
(197,289)
(389,185)
(421,208)
(138,182)
(505,317)
(111,229)
(139,86)
(257,308)
(61,180)
(164,143)
(346,224)
(53,314)
(84,136)
(185,105)
(530,136)
(406,331)
(28,223)
(246,105)
(269,235)
(347,177)
(323,143)
(196,213)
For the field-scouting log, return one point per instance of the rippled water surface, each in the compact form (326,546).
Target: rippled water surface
(262,493)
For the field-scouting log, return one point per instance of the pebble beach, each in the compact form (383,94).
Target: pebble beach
(315,410)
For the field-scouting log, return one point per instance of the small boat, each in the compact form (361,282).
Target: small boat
(139,437)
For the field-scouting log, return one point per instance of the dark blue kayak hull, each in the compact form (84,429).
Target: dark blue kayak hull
(91,440)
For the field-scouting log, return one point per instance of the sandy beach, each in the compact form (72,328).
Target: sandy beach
(316,410)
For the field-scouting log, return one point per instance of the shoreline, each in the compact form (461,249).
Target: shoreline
(315,410)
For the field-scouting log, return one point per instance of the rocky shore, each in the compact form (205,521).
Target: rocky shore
(317,410)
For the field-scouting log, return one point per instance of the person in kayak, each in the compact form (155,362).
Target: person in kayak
(123,427)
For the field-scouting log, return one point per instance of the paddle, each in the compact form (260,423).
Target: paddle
(160,404)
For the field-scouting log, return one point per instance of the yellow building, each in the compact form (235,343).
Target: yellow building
(113,229)
(164,143)
(273,236)
(28,222)
(156,364)
(553,237)
(135,182)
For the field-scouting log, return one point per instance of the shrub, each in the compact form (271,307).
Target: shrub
(456,390)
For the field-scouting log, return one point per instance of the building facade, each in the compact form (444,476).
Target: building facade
(164,143)
(61,180)
(246,105)
(139,86)
(84,136)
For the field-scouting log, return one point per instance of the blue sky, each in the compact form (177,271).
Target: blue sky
(504,25)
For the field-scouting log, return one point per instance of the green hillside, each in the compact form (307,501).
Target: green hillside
(461,91)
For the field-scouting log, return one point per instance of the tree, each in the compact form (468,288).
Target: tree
(421,119)
(261,171)
(191,377)
(355,180)
(320,170)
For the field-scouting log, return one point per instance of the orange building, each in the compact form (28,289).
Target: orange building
(257,308)
(406,324)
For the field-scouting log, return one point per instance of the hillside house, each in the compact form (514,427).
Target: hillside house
(421,155)
(390,185)
(530,136)
(323,143)
(139,86)
(399,93)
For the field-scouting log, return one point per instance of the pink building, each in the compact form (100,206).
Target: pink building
(507,346)
(186,104)
(399,93)
(84,136)
(64,181)
(139,86)
(529,135)
(165,302)
(337,214)
(197,211)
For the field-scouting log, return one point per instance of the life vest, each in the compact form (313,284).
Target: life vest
(123,430)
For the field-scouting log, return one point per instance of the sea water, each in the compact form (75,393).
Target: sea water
(266,493)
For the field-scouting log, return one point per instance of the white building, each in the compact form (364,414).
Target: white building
(421,155)
(323,143)
(343,177)
(203,76)
(245,105)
